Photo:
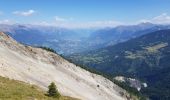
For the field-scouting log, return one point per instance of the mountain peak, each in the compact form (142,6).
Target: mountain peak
(3,35)
(7,41)
(146,23)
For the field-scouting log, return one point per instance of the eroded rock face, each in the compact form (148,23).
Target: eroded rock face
(40,67)
(132,82)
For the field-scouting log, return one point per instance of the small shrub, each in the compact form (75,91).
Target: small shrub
(52,91)
(48,49)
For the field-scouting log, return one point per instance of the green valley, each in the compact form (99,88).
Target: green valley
(146,58)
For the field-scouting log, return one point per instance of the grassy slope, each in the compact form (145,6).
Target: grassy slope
(17,90)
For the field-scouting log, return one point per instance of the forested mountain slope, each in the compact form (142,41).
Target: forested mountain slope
(146,58)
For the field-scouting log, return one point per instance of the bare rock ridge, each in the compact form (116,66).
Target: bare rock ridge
(40,67)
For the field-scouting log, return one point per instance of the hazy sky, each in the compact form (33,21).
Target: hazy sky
(84,12)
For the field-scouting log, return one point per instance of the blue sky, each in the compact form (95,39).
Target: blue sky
(83,12)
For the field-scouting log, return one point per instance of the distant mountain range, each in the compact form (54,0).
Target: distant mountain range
(70,41)
(146,58)
(111,36)
(61,39)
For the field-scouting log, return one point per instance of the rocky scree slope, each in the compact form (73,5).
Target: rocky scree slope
(40,67)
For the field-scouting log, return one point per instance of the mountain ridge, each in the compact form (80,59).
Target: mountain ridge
(143,58)
(39,67)
(69,41)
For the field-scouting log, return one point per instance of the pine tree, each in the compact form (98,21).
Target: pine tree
(52,91)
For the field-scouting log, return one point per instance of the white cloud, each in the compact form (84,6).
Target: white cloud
(24,13)
(110,23)
(6,21)
(94,24)
(59,19)
(71,24)
(62,20)
(164,18)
